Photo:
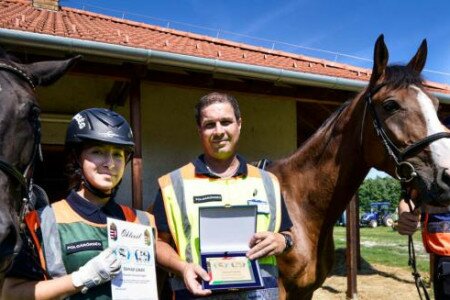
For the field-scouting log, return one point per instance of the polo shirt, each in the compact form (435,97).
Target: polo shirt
(27,266)
(201,169)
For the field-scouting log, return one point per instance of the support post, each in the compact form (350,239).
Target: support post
(136,166)
(352,249)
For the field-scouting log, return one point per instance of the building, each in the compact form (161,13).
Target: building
(154,76)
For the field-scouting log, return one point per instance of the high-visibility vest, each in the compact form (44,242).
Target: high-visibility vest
(184,193)
(57,229)
(436,233)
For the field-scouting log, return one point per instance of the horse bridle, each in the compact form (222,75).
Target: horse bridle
(403,168)
(24,178)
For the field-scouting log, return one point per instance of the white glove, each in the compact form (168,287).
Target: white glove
(98,270)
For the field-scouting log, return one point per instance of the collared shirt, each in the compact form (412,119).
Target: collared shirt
(93,213)
(27,266)
(201,169)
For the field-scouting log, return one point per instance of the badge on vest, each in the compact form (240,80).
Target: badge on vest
(84,246)
(208,198)
(262,206)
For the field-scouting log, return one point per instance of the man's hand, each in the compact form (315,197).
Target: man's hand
(266,243)
(408,222)
(192,274)
(98,270)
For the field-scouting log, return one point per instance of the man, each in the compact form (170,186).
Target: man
(435,236)
(218,177)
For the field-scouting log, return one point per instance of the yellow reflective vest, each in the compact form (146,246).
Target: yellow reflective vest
(184,192)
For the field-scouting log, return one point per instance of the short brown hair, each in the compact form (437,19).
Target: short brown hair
(216,97)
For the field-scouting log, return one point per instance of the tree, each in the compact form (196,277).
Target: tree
(377,190)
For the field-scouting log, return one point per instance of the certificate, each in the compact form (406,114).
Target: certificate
(134,244)
(229,270)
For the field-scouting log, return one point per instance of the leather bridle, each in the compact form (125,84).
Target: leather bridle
(24,177)
(405,172)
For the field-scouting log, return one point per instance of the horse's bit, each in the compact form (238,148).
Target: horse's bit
(405,172)
(25,178)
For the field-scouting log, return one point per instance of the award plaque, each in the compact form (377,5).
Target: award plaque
(223,246)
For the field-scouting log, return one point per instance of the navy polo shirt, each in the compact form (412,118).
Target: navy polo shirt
(200,169)
(27,266)
(93,213)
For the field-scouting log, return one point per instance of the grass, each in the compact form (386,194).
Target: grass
(383,246)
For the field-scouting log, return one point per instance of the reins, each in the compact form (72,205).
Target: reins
(405,172)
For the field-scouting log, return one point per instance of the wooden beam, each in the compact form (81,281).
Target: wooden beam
(351,251)
(136,166)
(118,94)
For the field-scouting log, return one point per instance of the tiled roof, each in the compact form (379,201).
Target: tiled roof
(78,24)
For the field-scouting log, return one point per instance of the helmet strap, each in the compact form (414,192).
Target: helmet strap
(96,191)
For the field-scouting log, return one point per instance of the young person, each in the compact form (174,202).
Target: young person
(69,253)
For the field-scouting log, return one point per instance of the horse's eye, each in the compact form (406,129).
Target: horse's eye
(390,106)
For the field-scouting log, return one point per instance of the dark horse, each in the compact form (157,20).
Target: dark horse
(393,126)
(19,141)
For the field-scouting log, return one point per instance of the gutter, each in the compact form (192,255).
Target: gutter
(148,56)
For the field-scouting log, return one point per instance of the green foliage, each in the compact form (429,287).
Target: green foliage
(377,190)
(384,246)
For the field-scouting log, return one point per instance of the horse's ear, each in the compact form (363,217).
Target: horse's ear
(47,72)
(418,61)
(380,59)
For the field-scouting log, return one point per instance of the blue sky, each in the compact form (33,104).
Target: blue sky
(344,31)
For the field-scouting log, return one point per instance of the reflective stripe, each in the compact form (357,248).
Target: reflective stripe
(142,217)
(268,270)
(271,198)
(178,187)
(438,227)
(261,294)
(52,243)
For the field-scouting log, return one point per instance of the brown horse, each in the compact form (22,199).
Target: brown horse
(393,126)
(19,142)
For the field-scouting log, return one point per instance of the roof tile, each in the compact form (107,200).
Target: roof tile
(78,24)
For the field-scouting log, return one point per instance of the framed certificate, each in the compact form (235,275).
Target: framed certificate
(231,271)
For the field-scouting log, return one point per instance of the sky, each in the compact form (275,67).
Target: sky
(339,30)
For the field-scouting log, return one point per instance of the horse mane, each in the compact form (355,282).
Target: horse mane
(326,125)
(397,76)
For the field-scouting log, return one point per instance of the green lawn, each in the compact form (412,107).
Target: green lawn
(384,246)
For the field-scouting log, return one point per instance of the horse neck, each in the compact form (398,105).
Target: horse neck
(324,174)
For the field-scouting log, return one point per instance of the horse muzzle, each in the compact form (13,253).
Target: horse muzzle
(432,191)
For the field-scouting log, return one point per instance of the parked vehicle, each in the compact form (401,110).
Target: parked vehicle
(379,215)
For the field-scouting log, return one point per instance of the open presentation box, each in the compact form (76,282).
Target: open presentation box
(225,233)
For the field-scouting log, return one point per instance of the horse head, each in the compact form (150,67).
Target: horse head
(407,139)
(19,141)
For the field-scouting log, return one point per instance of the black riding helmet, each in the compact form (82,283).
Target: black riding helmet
(99,125)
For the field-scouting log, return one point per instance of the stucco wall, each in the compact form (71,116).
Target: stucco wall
(168,127)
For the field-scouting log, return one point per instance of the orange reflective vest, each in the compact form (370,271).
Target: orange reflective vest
(52,226)
(436,233)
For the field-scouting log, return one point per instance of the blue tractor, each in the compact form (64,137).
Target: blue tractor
(379,215)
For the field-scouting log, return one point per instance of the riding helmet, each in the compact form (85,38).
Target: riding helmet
(100,125)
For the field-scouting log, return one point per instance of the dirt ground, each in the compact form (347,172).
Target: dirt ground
(373,282)
(383,283)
